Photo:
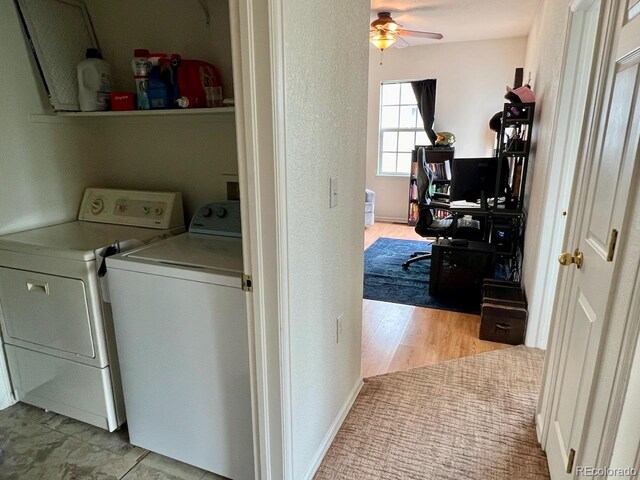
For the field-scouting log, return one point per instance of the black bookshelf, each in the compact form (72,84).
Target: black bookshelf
(442,180)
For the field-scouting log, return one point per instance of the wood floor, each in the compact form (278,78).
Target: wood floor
(398,337)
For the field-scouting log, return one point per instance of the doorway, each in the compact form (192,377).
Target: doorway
(404,326)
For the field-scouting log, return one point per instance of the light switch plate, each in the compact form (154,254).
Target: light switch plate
(333,192)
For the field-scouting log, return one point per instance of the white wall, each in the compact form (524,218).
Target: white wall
(179,154)
(471,85)
(544,63)
(184,154)
(325,108)
(43,168)
(161,26)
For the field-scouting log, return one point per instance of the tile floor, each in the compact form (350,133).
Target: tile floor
(39,445)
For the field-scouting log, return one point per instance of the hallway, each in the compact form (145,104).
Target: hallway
(469,418)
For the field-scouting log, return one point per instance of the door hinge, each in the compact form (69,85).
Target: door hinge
(570,460)
(247,283)
(613,239)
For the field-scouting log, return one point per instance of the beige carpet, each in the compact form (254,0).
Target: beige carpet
(470,418)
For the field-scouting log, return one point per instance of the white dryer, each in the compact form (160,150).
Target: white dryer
(56,326)
(181,329)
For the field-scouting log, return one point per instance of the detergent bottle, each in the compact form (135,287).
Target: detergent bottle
(94,82)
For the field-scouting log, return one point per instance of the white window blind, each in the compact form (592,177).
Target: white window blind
(400,129)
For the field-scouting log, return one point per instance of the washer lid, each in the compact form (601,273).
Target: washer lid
(194,250)
(74,240)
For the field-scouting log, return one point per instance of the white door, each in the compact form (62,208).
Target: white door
(602,206)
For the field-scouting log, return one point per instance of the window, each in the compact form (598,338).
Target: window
(401,128)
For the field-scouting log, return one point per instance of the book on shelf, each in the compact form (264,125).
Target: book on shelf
(517,179)
(414,191)
(447,169)
(441,171)
(413,213)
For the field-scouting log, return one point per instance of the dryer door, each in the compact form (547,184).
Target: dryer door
(46,310)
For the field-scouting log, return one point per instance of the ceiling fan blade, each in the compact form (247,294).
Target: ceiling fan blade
(415,33)
(401,43)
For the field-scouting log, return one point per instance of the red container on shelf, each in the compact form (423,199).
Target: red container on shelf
(123,101)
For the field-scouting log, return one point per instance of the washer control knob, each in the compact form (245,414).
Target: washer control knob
(146,210)
(221,212)
(206,212)
(121,208)
(158,211)
(97,206)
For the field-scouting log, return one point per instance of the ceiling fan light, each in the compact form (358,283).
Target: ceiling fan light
(382,40)
(385,22)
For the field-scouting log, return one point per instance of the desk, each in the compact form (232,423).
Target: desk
(501,227)
(458,270)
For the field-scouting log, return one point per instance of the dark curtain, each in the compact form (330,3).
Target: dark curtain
(425,91)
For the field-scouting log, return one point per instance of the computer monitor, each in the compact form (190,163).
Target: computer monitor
(475,178)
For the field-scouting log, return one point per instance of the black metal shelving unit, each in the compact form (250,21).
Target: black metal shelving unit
(514,145)
(508,218)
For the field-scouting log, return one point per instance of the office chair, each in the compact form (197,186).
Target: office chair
(434,219)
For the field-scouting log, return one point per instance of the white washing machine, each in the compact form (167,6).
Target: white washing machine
(57,327)
(181,329)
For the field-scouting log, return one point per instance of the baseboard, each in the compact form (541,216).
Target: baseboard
(539,421)
(333,430)
(391,219)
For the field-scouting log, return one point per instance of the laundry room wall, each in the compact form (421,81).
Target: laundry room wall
(44,167)
(189,154)
(164,26)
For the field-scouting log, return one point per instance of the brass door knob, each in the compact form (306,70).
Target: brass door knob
(567,258)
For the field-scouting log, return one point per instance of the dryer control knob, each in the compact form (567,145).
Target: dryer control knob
(158,211)
(221,212)
(97,206)
(206,212)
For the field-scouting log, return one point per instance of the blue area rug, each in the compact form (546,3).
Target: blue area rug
(385,280)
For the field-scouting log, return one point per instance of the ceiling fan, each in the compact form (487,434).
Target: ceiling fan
(385,31)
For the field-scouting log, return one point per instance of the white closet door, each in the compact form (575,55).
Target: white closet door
(602,213)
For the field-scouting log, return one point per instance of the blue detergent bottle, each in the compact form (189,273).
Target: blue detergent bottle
(158,91)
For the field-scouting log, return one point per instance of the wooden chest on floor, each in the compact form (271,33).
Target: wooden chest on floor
(504,312)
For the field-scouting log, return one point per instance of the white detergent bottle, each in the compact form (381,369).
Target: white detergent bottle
(94,81)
